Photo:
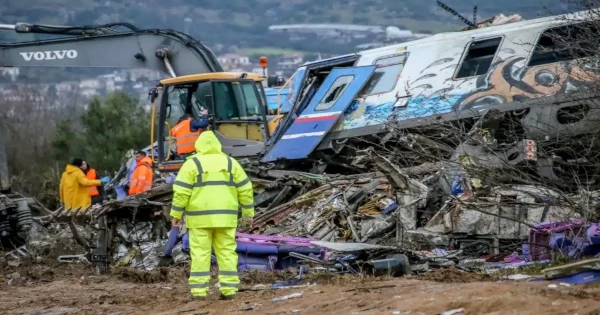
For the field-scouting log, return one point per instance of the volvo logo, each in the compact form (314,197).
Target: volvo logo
(49,55)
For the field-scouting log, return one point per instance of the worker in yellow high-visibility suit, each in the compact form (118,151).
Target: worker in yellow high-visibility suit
(211,189)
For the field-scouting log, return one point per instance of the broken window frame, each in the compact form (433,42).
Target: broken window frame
(372,87)
(262,93)
(542,55)
(467,50)
(331,89)
(178,108)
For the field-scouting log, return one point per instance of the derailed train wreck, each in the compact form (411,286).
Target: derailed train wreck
(539,75)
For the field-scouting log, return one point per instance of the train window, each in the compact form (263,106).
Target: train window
(480,55)
(565,43)
(386,75)
(335,91)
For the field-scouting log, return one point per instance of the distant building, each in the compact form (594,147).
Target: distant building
(144,74)
(233,60)
(65,87)
(290,61)
(90,84)
(11,72)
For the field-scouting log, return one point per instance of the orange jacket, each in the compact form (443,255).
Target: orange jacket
(141,179)
(91,175)
(185,138)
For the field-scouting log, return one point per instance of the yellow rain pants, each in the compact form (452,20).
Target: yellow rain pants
(223,240)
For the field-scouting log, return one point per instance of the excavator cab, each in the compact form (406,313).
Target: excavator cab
(236,106)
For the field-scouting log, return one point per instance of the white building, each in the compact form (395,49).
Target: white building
(290,61)
(233,60)
(11,72)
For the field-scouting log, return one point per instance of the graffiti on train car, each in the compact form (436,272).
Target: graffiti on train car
(508,81)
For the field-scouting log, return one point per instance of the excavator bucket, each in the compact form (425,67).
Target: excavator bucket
(324,110)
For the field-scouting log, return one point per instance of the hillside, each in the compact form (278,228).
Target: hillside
(244,23)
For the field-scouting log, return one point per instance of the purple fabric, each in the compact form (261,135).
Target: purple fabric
(121,194)
(581,278)
(557,226)
(559,241)
(172,241)
(251,238)
(525,249)
(513,258)
(186,241)
(593,231)
(269,252)
(539,237)
(256,262)
(256,249)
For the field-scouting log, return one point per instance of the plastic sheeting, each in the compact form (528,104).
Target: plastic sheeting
(142,232)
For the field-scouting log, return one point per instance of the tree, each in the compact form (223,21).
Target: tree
(108,129)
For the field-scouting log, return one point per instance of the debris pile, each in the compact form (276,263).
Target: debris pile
(437,213)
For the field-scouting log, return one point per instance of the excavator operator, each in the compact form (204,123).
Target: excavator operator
(187,131)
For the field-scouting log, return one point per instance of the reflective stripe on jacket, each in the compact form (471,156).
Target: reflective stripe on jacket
(91,175)
(211,188)
(185,138)
(142,177)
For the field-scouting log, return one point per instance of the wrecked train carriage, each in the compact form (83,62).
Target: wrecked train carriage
(448,80)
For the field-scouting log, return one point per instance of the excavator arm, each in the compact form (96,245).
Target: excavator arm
(167,51)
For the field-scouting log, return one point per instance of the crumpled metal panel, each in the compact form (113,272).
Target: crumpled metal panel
(472,221)
(504,216)
(148,258)
(142,232)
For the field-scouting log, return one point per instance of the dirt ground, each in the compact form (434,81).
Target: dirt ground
(61,289)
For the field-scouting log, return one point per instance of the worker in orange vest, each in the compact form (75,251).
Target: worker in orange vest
(142,177)
(94,191)
(186,132)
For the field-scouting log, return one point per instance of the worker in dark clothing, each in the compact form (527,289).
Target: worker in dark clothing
(95,191)
(186,132)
